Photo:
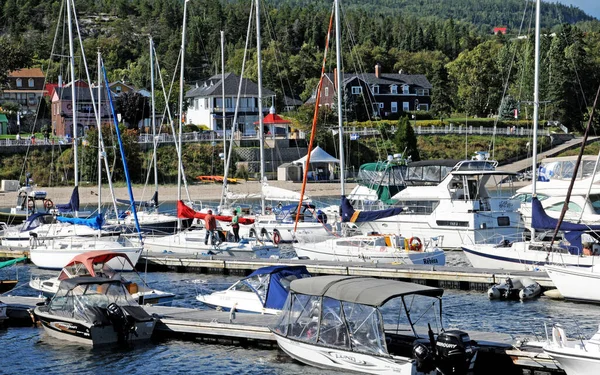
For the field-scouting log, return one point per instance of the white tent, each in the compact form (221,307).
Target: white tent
(318,155)
(318,159)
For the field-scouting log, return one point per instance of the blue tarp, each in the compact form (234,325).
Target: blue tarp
(573,231)
(32,220)
(277,293)
(350,215)
(73,205)
(95,222)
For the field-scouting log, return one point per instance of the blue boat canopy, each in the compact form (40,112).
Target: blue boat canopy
(94,222)
(350,215)
(272,283)
(73,205)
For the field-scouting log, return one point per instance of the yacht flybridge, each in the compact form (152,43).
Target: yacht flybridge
(448,199)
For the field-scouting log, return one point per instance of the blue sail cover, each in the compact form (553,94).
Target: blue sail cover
(153,202)
(73,205)
(95,222)
(350,215)
(573,231)
(277,293)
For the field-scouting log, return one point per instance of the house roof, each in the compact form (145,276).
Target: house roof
(388,79)
(112,84)
(81,93)
(212,87)
(27,73)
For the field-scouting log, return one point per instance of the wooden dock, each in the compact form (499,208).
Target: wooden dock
(463,278)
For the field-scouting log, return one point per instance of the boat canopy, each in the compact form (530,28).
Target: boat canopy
(362,290)
(272,283)
(11,262)
(90,258)
(84,280)
(95,222)
(350,215)
(386,178)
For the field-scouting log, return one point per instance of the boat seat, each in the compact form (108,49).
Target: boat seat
(137,313)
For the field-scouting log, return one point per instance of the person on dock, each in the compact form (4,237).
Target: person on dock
(235,225)
(210,224)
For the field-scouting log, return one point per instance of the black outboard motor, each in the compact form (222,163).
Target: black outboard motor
(424,356)
(119,321)
(454,352)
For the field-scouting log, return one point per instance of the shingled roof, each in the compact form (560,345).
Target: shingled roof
(212,87)
(388,79)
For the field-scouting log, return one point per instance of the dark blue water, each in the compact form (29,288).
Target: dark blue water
(29,350)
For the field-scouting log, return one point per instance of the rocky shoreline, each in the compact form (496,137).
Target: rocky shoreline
(198,192)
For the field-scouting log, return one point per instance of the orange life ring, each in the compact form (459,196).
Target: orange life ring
(276,237)
(48,204)
(30,204)
(415,244)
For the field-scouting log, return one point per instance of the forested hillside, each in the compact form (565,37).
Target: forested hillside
(449,41)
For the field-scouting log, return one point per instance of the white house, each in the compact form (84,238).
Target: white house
(205,103)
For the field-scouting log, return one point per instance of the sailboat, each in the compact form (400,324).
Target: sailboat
(534,254)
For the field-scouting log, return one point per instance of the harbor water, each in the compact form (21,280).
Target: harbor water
(30,350)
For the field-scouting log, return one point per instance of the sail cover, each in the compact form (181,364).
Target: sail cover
(350,215)
(185,212)
(153,202)
(93,222)
(73,205)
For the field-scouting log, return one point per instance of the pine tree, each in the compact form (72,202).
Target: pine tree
(406,139)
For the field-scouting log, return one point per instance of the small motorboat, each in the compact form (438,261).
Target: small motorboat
(515,288)
(96,264)
(264,291)
(94,311)
(337,322)
(576,357)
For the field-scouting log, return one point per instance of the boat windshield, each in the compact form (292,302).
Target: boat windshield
(410,315)
(86,301)
(260,285)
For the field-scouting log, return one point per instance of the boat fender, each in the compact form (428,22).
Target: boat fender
(415,244)
(494,292)
(558,335)
(382,249)
(276,237)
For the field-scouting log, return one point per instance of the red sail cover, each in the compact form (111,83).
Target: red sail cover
(186,212)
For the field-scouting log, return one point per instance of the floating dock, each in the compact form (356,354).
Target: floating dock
(463,278)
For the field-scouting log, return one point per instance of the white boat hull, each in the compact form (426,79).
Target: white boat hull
(332,358)
(576,362)
(519,256)
(576,283)
(240,301)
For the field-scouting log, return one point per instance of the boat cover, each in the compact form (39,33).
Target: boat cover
(94,222)
(73,205)
(88,259)
(350,215)
(573,231)
(276,292)
(11,262)
(153,202)
(363,290)
(185,212)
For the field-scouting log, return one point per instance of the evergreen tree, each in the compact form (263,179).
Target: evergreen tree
(406,139)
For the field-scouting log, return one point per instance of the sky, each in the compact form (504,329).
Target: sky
(591,7)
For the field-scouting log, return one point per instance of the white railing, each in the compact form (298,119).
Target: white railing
(480,130)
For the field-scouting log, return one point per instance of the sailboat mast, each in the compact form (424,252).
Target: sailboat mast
(73,97)
(338,53)
(99,119)
(261,132)
(536,96)
(223,95)
(153,114)
(179,174)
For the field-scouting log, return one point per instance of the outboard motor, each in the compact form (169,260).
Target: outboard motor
(119,321)
(454,352)
(424,356)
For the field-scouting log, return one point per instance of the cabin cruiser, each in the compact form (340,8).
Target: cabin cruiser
(107,264)
(448,199)
(263,292)
(94,311)
(340,323)
(30,200)
(576,356)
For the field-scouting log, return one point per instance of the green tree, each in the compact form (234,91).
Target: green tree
(406,140)
(133,108)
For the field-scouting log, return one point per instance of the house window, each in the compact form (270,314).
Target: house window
(30,82)
(423,107)
(405,106)
(375,89)
(405,90)
(206,103)
(326,91)
(394,107)
(393,89)
(423,92)
(19,82)
(118,89)
(356,90)
(380,105)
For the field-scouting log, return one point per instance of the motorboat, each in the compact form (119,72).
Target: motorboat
(98,264)
(577,283)
(380,181)
(448,199)
(94,311)
(535,254)
(375,248)
(515,288)
(55,253)
(264,291)
(576,356)
(30,200)
(349,323)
